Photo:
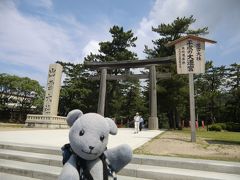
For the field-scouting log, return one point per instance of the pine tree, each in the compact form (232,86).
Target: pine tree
(233,103)
(122,97)
(77,90)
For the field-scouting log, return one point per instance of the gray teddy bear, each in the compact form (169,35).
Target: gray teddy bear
(90,157)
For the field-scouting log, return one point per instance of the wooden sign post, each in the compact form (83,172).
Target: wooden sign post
(190,59)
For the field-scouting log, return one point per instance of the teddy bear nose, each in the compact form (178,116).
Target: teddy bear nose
(91,147)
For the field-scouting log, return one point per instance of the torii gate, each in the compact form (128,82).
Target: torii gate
(147,63)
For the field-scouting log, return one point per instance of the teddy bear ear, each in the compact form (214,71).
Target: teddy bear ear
(73,116)
(112,125)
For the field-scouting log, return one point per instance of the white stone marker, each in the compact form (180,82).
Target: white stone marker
(49,118)
(50,106)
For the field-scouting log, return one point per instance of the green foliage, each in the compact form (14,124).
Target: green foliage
(117,49)
(209,88)
(171,32)
(120,94)
(215,127)
(233,100)
(20,94)
(233,74)
(231,126)
(163,121)
(77,91)
(218,93)
(223,125)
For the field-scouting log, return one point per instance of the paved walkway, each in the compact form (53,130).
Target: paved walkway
(59,137)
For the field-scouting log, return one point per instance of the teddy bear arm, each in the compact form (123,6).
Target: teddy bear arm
(69,170)
(119,156)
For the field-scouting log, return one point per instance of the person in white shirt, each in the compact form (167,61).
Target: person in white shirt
(136,122)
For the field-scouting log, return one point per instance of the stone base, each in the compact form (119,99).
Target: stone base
(153,123)
(46,121)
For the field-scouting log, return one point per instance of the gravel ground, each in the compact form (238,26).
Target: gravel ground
(173,143)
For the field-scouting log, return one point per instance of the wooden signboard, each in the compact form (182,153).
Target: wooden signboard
(190,54)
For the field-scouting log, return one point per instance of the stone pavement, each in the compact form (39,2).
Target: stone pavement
(59,137)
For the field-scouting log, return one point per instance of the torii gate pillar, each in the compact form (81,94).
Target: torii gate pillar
(102,92)
(153,119)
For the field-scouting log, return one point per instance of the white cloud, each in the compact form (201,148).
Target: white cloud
(47,4)
(32,42)
(92,47)
(219,15)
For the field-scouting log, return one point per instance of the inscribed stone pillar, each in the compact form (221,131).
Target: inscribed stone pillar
(102,92)
(153,119)
(52,90)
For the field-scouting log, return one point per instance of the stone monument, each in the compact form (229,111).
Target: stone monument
(50,106)
(49,118)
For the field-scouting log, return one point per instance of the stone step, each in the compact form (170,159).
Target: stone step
(5,176)
(45,159)
(188,163)
(47,172)
(31,170)
(167,173)
(31,148)
(45,155)
(42,155)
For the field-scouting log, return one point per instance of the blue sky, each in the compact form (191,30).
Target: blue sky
(36,33)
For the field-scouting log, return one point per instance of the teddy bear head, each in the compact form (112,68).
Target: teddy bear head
(89,133)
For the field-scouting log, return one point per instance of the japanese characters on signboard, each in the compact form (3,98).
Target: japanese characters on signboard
(190,56)
(49,90)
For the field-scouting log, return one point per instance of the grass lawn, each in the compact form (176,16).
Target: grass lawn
(15,125)
(10,126)
(224,136)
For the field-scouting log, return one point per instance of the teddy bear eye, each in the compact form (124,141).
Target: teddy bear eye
(81,132)
(101,138)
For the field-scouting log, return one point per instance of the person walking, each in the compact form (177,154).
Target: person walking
(141,123)
(136,123)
